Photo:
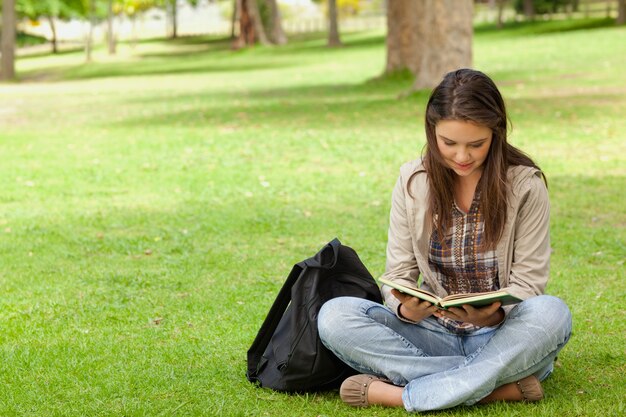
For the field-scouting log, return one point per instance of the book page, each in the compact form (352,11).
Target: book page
(415,292)
(479,299)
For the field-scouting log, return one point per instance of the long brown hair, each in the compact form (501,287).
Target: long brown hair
(470,95)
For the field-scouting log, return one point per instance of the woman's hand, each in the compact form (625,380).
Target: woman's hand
(412,308)
(483,316)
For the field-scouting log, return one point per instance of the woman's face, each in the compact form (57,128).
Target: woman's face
(463,145)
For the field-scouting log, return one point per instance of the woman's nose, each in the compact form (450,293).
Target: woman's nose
(463,155)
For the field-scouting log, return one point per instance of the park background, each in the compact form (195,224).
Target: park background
(154,200)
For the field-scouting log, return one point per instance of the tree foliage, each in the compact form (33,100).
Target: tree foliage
(134,7)
(50,10)
(345,8)
(62,9)
(543,6)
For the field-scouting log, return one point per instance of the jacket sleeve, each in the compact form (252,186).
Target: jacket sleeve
(531,246)
(401,264)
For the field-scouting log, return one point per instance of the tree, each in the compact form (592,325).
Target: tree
(251,28)
(67,9)
(257,22)
(90,12)
(621,12)
(234,19)
(404,35)
(429,38)
(50,10)
(448,42)
(132,8)
(333,24)
(110,35)
(35,10)
(275,32)
(7,66)
(172,8)
(500,20)
(529,9)
(332,8)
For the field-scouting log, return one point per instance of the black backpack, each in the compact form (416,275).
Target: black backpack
(287,353)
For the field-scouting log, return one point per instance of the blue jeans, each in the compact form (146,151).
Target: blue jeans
(440,369)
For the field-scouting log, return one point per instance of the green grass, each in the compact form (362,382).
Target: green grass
(153,203)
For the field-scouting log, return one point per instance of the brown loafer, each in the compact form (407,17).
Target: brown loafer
(353,390)
(530,387)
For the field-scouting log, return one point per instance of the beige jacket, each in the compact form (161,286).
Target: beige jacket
(523,251)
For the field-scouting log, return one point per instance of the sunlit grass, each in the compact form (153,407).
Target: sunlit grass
(152,204)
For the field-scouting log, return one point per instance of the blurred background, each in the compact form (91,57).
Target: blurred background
(68,23)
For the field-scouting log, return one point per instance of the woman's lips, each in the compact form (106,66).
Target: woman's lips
(463,166)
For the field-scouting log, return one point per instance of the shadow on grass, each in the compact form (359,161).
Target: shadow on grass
(167,68)
(189,64)
(61,52)
(317,42)
(369,104)
(192,46)
(544,27)
(203,54)
(346,107)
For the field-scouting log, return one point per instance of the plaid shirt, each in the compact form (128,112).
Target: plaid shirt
(462,266)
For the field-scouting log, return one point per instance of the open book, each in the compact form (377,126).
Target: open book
(477,299)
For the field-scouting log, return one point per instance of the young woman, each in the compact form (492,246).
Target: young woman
(472,215)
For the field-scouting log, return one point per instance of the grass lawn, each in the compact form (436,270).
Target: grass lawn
(153,203)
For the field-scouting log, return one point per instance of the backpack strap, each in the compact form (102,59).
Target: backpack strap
(263,337)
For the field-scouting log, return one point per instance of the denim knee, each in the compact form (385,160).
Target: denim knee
(324,317)
(338,315)
(330,316)
(551,313)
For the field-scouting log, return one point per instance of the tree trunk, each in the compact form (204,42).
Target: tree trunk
(53,29)
(500,21)
(7,66)
(250,25)
(276,34)
(448,41)
(529,9)
(174,4)
(621,12)
(253,9)
(405,35)
(246,34)
(110,34)
(133,37)
(234,18)
(92,24)
(333,21)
